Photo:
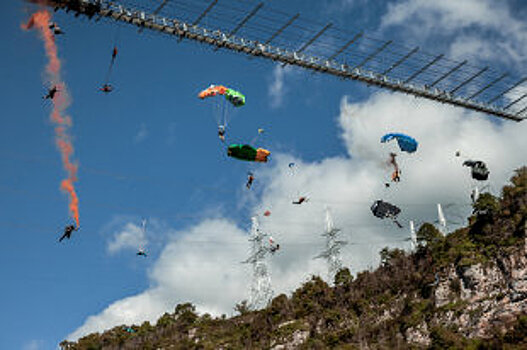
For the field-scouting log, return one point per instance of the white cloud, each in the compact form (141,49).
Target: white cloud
(147,306)
(517,97)
(142,133)
(473,26)
(277,88)
(202,264)
(131,236)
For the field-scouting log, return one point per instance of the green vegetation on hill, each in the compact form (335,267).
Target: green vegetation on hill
(378,309)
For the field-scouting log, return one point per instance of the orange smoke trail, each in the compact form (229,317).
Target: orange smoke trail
(41,20)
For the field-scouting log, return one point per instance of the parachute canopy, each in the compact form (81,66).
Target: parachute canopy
(383,210)
(479,169)
(212,90)
(406,143)
(248,153)
(236,98)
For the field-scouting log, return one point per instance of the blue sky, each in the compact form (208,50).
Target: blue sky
(149,149)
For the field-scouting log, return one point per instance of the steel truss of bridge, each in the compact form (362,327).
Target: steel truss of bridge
(253,29)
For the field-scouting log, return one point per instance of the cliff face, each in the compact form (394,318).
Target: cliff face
(478,300)
(465,290)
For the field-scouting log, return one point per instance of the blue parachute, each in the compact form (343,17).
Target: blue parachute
(406,143)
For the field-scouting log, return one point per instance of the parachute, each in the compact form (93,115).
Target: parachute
(479,169)
(236,98)
(248,153)
(405,142)
(221,107)
(383,210)
(212,90)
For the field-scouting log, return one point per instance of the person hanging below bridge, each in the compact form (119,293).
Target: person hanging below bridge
(106,88)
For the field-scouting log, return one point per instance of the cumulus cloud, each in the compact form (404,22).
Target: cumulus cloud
(131,236)
(472,26)
(202,264)
(516,98)
(349,185)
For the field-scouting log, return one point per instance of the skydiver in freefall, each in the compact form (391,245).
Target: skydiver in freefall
(250,179)
(300,200)
(68,230)
(51,93)
(55,28)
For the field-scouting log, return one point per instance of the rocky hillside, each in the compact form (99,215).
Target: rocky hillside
(465,290)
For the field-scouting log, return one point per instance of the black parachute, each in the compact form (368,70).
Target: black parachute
(383,210)
(479,169)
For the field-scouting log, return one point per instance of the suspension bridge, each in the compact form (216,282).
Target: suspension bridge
(253,29)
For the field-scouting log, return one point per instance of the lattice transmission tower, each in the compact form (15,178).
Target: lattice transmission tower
(333,246)
(260,292)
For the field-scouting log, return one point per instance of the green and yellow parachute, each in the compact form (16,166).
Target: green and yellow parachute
(236,98)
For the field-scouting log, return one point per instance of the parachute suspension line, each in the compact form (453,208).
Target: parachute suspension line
(217,111)
(114,53)
(224,110)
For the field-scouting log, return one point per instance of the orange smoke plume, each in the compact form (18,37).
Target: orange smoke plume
(41,21)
